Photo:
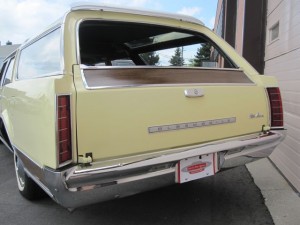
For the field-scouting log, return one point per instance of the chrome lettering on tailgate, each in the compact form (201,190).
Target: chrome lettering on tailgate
(180,126)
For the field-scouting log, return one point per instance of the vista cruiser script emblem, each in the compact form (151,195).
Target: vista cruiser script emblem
(197,124)
(256,115)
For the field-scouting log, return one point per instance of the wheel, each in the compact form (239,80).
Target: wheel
(27,187)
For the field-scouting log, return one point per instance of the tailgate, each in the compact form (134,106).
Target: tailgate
(128,111)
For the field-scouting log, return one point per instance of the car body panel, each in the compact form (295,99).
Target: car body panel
(129,111)
(128,133)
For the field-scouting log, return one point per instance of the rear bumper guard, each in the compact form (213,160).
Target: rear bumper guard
(79,186)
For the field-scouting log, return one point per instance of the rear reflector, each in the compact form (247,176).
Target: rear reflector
(276,107)
(64,129)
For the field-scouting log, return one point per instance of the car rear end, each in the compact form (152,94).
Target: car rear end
(158,101)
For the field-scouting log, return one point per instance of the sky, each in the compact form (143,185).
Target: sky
(22,19)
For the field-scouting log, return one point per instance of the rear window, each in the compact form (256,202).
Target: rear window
(132,44)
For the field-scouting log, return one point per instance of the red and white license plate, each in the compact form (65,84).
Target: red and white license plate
(195,168)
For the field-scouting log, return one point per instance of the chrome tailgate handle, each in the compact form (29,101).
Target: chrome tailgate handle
(194,92)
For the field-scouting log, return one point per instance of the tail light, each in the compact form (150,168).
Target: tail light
(64,146)
(276,107)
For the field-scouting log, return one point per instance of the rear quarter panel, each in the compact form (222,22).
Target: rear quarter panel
(31,116)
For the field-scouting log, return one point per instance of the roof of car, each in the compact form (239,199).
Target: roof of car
(107,8)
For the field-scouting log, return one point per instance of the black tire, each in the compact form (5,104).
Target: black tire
(27,187)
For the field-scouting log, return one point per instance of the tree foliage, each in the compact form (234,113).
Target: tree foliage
(203,54)
(151,58)
(177,59)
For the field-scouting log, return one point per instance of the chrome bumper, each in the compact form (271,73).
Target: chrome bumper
(79,186)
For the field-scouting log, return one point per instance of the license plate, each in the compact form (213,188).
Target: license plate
(195,168)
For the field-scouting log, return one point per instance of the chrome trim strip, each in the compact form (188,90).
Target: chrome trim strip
(269,105)
(78,58)
(82,66)
(17,59)
(145,176)
(107,8)
(163,85)
(123,180)
(38,182)
(250,141)
(196,124)
(85,84)
(89,193)
(121,162)
(277,128)
(56,73)
(33,170)
(87,87)
(62,48)
(8,61)
(46,32)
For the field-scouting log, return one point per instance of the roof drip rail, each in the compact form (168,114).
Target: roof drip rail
(109,8)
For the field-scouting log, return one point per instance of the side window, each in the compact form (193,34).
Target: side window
(41,58)
(2,70)
(8,75)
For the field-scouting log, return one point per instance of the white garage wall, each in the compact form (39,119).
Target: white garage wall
(282,60)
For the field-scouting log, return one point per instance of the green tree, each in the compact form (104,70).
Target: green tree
(151,58)
(177,58)
(203,54)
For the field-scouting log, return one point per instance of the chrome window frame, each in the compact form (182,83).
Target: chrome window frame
(13,57)
(6,62)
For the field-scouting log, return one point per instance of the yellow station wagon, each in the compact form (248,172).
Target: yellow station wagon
(109,102)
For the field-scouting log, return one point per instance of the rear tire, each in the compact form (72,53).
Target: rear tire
(27,187)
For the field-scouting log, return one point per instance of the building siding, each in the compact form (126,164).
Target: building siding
(246,33)
(5,50)
(254,33)
(282,61)
(239,35)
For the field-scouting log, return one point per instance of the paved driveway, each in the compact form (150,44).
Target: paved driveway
(230,197)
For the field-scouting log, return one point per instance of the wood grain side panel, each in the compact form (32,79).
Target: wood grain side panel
(114,77)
